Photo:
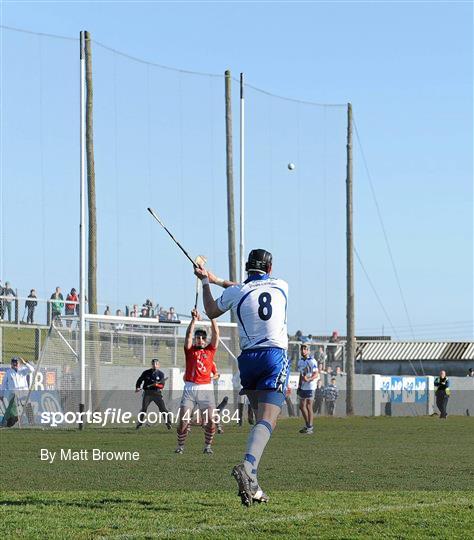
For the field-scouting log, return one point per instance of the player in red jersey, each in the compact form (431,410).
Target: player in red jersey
(198,389)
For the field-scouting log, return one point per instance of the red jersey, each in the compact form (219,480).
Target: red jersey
(71,298)
(199,364)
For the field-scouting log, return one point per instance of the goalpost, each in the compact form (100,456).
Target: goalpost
(116,351)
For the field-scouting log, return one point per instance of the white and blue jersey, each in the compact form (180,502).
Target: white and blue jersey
(308,366)
(260,304)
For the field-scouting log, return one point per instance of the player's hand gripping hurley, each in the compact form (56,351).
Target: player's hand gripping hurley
(200,260)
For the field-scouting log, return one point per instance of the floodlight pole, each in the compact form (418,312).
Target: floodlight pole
(242,180)
(350,339)
(82,228)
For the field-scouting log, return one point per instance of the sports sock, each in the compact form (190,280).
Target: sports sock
(258,439)
(209,433)
(182,436)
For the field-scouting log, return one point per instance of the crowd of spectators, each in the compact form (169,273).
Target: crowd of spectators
(58,306)
(150,311)
(328,356)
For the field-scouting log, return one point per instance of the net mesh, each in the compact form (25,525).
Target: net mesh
(117,351)
(159,141)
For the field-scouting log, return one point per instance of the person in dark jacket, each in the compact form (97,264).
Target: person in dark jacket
(8,296)
(152,382)
(30,305)
(318,397)
(331,393)
(442,393)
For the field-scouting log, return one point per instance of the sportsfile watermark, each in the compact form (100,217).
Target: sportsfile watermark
(113,416)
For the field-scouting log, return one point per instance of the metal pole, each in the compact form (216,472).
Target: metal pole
(82,230)
(350,344)
(242,180)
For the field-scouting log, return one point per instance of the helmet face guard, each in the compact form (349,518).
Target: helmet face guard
(259,260)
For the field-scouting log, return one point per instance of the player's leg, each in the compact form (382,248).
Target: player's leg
(270,382)
(207,407)
(241,405)
(302,407)
(162,408)
(209,429)
(187,404)
(220,408)
(309,413)
(145,403)
(182,429)
(305,411)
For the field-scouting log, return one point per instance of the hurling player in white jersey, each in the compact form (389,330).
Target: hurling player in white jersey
(309,375)
(260,304)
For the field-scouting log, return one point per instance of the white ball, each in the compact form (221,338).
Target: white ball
(291,166)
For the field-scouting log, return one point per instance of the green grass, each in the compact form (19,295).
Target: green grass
(356,478)
(19,341)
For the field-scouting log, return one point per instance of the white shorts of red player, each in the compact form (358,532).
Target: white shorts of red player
(200,396)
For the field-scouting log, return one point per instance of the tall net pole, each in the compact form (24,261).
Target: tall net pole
(92,276)
(350,344)
(82,232)
(94,369)
(230,178)
(230,203)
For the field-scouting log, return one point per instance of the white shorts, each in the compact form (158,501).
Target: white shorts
(200,395)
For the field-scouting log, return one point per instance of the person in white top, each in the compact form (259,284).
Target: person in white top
(15,387)
(309,375)
(15,380)
(260,305)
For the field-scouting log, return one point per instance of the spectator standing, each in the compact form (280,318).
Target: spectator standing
(442,393)
(9,295)
(172,316)
(107,311)
(78,309)
(320,357)
(318,397)
(118,327)
(470,373)
(331,394)
(332,349)
(148,305)
(57,304)
(30,306)
(71,302)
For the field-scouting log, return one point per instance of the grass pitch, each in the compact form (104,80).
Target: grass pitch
(355,478)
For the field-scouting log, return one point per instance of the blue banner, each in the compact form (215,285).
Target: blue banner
(421,389)
(396,387)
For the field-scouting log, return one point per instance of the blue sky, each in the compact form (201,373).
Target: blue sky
(406,68)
